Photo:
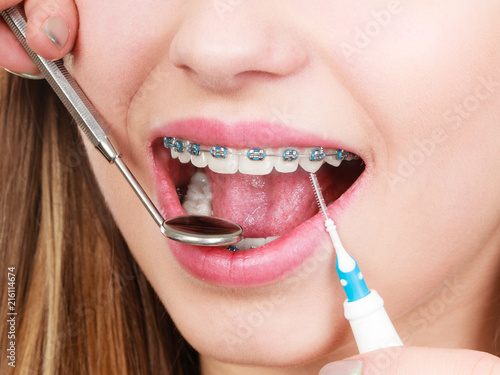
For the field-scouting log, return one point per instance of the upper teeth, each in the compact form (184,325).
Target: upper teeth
(254,161)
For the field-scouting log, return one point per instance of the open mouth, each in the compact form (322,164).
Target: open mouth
(266,190)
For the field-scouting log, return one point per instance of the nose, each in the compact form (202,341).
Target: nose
(221,53)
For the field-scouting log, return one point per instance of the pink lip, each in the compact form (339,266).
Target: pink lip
(263,265)
(244,134)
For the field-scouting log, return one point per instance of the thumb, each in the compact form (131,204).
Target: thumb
(52,27)
(51,32)
(416,361)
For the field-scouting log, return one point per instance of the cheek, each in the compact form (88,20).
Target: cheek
(427,59)
(116,51)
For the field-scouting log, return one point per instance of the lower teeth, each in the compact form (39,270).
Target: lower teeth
(252,243)
(198,201)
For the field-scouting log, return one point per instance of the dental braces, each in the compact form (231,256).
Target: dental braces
(256,154)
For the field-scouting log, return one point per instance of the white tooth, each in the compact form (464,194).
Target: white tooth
(333,160)
(179,155)
(199,192)
(198,199)
(250,243)
(256,167)
(184,157)
(242,245)
(255,242)
(307,164)
(228,165)
(311,166)
(199,209)
(285,166)
(199,176)
(200,161)
(199,185)
(271,239)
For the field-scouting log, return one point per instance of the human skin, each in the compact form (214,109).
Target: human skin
(420,100)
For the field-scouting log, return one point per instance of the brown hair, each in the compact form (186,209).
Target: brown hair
(83,305)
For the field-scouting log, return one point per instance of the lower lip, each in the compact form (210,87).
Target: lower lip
(260,266)
(254,267)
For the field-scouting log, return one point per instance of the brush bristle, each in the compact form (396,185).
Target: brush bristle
(317,193)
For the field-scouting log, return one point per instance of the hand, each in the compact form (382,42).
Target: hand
(51,32)
(416,361)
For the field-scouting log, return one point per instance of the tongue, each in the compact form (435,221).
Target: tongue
(270,205)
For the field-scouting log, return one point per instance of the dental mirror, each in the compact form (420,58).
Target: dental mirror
(202,230)
(194,230)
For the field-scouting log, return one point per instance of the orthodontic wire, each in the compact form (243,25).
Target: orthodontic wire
(170,143)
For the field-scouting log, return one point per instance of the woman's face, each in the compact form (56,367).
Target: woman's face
(413,88)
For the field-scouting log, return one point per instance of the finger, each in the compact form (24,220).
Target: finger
(52,27)
(414,361)
(4,4)
(55,18)
(12,54)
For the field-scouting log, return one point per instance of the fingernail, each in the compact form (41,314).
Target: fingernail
(25,75)
(349,367)
(57,31)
